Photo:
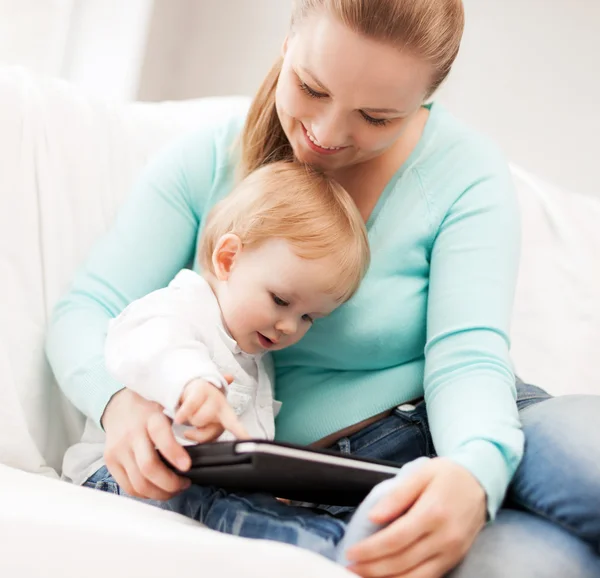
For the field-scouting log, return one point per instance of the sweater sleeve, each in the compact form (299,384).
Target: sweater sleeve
(469,383)
(152,238)
(155,348)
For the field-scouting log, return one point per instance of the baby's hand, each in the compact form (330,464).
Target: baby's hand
(205,407)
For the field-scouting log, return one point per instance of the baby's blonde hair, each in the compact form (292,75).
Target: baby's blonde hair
(311,211)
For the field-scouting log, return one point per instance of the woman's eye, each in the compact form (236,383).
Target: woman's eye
(375,121)
(312,93)
(278,301)
(307,318)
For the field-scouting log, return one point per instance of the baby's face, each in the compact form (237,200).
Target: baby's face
(272,296)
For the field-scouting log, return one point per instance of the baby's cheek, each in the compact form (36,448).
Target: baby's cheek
(252,312)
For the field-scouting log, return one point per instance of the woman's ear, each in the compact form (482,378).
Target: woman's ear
(227,250)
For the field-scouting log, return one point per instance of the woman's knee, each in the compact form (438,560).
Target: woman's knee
(559,476)
(521,545)
(562,440)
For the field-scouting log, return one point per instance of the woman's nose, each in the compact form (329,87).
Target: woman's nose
(329,130)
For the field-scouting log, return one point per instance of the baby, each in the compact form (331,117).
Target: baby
(284,249)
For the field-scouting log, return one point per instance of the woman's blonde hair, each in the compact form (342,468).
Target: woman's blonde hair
(290,201)
(430,29)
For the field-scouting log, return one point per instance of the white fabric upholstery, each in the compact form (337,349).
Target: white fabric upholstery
(52,529)
(556,319)
(67,161)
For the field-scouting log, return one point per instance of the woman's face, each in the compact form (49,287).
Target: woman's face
(343,99)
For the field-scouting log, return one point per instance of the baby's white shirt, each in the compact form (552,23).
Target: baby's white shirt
(161,342)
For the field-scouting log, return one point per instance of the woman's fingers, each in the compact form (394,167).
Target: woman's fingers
(141,486)
(396,538)
(149,474)
(120,476)
(162,437)
(434,534)
(403,530)
(431,568)
(398,562)
(135,427)
(401,498)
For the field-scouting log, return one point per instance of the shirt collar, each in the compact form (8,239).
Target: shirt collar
(228,340)
(232,344)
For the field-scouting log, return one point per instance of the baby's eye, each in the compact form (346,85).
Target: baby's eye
(278,301)
(307,318)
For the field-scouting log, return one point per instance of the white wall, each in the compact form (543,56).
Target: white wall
(33,34)
(211,47)
(529,75)
(106,46)
(96,44)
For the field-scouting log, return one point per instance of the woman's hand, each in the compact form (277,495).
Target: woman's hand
(435,516)
(135,428)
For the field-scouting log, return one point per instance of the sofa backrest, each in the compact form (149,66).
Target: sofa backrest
(67,163)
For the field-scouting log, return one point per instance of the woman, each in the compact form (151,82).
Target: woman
(431,319)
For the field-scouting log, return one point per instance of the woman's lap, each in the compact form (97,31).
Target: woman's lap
(553,500)
(559,476)
(558,482)
(521,545)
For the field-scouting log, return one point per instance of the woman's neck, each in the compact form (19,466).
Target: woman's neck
(365,182)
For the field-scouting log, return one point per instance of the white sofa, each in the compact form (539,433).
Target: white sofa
(66,163)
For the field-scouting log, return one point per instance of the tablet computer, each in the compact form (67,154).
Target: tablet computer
(287,471)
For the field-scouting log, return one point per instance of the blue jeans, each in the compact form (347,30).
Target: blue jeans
(548,526)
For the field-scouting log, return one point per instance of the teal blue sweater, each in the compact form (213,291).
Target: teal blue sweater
(431,317)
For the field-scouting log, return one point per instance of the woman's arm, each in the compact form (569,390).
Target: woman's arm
(436,513)
(153,237)
(469,382)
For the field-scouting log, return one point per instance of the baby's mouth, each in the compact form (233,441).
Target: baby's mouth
(265,341)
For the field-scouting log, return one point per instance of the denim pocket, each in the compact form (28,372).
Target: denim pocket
(103,481)
(415,417)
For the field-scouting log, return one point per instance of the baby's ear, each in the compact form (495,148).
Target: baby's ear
(227,250)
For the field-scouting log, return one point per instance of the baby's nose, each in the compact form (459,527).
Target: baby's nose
(287,326)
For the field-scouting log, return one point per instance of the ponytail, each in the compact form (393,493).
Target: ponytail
(263,139)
